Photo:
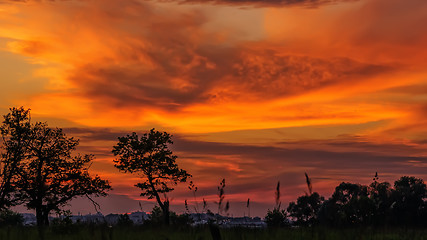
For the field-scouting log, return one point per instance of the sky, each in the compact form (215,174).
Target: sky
(253,91)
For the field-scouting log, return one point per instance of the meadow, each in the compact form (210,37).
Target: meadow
(203,233)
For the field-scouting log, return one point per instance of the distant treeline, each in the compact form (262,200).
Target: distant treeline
(379,204)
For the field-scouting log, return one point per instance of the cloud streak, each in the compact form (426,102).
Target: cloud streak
(264,3)
(252,170)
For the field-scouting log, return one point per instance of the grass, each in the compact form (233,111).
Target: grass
(140,233)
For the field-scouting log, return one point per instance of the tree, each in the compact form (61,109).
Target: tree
(408,205)
(349,204)
(380,194)
(15,137)
(150,158)
(276,218)
(53,176)
(305,210)
(48,176)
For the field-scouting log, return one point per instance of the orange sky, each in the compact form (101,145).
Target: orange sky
(253,91)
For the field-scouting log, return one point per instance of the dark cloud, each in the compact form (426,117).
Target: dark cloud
(238,73)
(351,155)
(168,61)
(157,58)
(95,134)
(264,3)
(257,3)
(252,170)
(412,89)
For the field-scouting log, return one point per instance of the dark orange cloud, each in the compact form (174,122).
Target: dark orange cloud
(264,3)
(247,74)
(149,65)
(253,170)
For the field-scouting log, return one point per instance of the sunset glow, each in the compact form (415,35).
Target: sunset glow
(253,91)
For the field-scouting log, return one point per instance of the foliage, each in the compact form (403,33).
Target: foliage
(15,132)
(63,223)
(180,220)
(304,211)
(156,218)
(150,157)
(48,176)
(276,218)
(138,233)
(380,194)
(409,207)
(124,220)
(53,176)
(10,218)
(350,204)
(379,204)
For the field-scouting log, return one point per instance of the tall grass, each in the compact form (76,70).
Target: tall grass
(143,233)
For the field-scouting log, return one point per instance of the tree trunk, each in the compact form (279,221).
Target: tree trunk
(165,210)
(39,216)
(163,205)
(40,225)
(46,217)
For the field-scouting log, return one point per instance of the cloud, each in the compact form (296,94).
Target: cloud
(254,169)
(264,3)
(173,61)
(173,65)
(235,74)
(256,3)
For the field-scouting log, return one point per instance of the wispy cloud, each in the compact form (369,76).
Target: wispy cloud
(264,3)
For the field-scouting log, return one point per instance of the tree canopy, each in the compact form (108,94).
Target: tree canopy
(15,132)
(378,204)
(149,156)
(47,174)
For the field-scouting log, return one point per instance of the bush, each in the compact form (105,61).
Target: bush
(156,218)
(124,220)
(63,224)
(10,218)
(276,218)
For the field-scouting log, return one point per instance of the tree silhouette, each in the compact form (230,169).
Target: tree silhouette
(15,132)
(305,210)
(47,176)
(408,205)
(150,157)
(349,205)
(52,176)
(380,194)
(276,218)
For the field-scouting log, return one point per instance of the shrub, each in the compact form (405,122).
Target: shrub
(10,218)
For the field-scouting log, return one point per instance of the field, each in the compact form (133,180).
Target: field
(138,233)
